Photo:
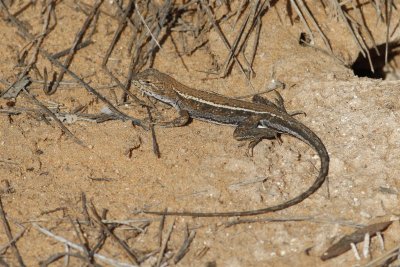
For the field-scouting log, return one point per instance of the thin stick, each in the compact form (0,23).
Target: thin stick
(156,149)
(239,12)
(223,38)
(126,14)
(121,26)
(185,246)
(256,40)
(160,230)
(121,243)
(102,237)
(49,113)
(343,16)
(235,44)
(304,7)
(29,36)
(386,258)
(388,18)
(54,117)
(84,208)
(147,27)
(303,20)
(7,229)
(58,256)
(162,15)
(79,248)
(39,42)
(16,237)
(78,47)
(78,39)
(83,241)
(364,25)
(164,243)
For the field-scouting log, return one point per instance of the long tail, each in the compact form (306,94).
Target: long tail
(295,128)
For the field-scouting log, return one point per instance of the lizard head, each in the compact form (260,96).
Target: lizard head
(147,81)
(153,83)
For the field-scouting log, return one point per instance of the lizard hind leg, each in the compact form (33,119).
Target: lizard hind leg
(278,103)
(264,133)
(249,130)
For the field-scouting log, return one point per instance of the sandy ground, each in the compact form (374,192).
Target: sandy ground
(202,168)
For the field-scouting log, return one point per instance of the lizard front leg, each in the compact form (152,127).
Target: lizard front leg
(182,119)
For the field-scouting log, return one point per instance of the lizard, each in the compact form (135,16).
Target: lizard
(254,121)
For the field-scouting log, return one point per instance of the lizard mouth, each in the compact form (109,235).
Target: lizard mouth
(141,86)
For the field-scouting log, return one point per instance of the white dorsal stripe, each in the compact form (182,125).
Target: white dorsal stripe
(187,96)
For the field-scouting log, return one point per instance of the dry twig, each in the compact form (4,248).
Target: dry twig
(105,259)
(10,237)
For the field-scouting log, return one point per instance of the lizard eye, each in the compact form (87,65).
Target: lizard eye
(146,81)
(143,82)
